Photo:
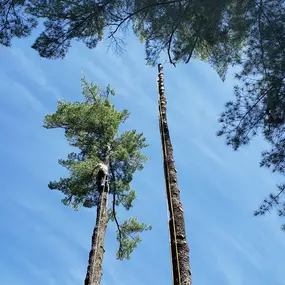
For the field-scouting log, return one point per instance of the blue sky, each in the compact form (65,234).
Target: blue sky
(44,242)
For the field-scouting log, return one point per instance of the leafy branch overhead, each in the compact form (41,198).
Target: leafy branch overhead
(15,21)
(259,105)
(212,30)
(90,126)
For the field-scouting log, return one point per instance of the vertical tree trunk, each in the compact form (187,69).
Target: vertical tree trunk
(94,270)
(179,248)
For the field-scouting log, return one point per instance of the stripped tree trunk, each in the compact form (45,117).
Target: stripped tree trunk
(179,248)
(94,270)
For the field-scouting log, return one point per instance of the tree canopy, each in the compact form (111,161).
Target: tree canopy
(212,30)
(90,126)
(15,21)
(247,33)
(259,107)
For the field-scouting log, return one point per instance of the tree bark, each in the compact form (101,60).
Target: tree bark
(94,270)
(179,248)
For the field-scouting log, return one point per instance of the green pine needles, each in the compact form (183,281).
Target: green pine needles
(91,126)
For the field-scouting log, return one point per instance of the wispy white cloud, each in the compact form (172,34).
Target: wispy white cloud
(42,274)
(206,150)
(33,101)
(232,273)
(28,66)
(19,93)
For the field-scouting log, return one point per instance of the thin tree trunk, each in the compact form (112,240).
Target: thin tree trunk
(179,248)
(94,270)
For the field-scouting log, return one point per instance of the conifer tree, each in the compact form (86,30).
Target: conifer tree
(212,30)
(259,105)
(103,166)
(15,21)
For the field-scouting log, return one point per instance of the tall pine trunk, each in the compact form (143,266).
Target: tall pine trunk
(94,270)
(179,248)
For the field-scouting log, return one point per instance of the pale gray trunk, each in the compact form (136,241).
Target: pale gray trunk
(94,270)
(179,248)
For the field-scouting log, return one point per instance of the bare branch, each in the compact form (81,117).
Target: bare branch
(192,50)
(114,214)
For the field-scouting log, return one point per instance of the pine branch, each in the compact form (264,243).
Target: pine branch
(267,205)
(130,15)
(260,6)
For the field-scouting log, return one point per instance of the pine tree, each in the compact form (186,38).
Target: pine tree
(103,166)
(212,30)
(259,107)
(14,21)
(179,248)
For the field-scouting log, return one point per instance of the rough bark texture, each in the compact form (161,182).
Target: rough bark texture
(179,248)
(94,270)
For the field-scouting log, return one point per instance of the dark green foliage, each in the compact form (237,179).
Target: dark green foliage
(259,107)
(90,126)
(127,235)
(273,200)
(129,238)
(14,22)
(68,20)
(212,30)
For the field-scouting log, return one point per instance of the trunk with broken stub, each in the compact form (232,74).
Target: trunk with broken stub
(179,248)
(94,270)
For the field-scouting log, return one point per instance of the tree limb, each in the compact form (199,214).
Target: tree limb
(192,50)
(271,25)
(269,204)
(114,213)
(130,15)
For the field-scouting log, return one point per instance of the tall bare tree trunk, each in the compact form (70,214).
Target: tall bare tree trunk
(94,270)
(179,248)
